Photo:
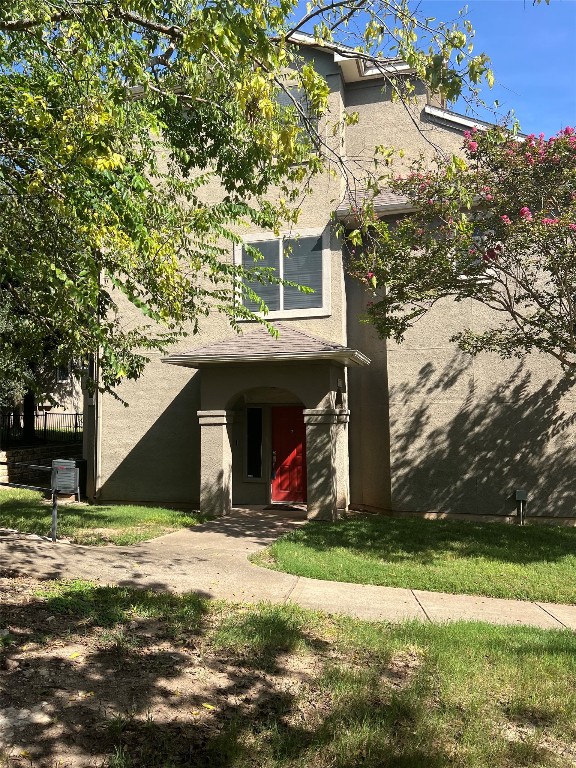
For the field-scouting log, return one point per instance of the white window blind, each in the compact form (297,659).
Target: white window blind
(298,260)
(303,265)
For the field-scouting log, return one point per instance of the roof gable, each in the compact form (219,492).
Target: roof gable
(260,346)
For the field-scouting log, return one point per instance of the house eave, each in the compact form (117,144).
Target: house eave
(349,218)
(354,65)
(453,119)
(346,357)
(448,119)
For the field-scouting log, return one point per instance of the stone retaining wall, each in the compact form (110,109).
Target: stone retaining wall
(40,454)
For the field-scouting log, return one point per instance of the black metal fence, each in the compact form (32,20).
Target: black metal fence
(48,428)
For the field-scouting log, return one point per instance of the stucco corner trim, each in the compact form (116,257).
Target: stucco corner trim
(320,416)
(215,418)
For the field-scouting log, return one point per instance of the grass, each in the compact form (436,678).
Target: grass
(283,687)
(112,608)
(534,562)
(94,524)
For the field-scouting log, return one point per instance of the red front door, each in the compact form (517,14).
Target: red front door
(288,454)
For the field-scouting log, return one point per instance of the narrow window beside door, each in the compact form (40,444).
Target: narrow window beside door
(254,442)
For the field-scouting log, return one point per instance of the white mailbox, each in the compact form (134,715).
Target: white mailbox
(65,476)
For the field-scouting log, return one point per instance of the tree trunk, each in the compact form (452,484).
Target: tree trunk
(29,409)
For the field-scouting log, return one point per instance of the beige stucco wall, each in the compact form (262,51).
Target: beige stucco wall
(149,451)
(431,430)
(458,434)
(402,125)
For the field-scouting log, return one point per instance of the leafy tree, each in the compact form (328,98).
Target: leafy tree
(116,113)
(498,227)
(13,375)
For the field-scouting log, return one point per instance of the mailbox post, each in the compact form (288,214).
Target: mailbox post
(521,498)
(65,479)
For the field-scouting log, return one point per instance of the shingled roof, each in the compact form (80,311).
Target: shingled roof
(385,202)
(259,345)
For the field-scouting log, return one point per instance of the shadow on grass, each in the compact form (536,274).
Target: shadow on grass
(145,680)
(27,512)
(427,541)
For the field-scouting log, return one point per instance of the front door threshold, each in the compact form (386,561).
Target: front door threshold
(288,506)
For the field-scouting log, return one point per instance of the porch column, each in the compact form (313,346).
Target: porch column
(215,462)
(321,462)
(342,460)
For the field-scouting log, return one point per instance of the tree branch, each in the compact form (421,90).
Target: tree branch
(172,32)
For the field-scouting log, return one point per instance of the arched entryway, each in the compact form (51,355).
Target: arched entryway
(266,395)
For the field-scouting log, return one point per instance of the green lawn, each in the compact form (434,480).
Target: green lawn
(534,562)
(281,687)
(123,524)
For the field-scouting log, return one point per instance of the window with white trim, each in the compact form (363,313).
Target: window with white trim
(304,260)
(296,98)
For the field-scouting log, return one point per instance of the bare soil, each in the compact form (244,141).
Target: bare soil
(73,695)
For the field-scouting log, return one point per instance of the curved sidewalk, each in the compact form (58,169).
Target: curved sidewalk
(212,559)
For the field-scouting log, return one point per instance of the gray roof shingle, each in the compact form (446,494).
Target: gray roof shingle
(259,344)
(384,201)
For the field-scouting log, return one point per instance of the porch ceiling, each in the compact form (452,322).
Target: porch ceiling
(258,346)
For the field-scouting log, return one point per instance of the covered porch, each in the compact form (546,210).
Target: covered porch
(273,419)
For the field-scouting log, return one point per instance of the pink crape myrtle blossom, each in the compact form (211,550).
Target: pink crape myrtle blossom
(503,214)
(492,253)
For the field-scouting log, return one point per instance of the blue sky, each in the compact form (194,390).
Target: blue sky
(533,53)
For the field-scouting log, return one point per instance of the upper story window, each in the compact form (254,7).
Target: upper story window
(304,260)
(295,98)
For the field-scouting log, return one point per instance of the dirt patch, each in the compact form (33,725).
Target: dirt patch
(110,536)
(401,669)
(75,695)
(532,733)
(101,677)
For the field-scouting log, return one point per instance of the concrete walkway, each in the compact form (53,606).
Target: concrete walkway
(212,559)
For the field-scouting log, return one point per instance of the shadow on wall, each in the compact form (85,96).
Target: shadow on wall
(513,435)
(216,496)
(164,465)
(320,467)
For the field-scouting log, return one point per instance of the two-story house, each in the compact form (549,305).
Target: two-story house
(327,413)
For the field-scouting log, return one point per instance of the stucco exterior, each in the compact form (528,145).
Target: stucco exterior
(421,429)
